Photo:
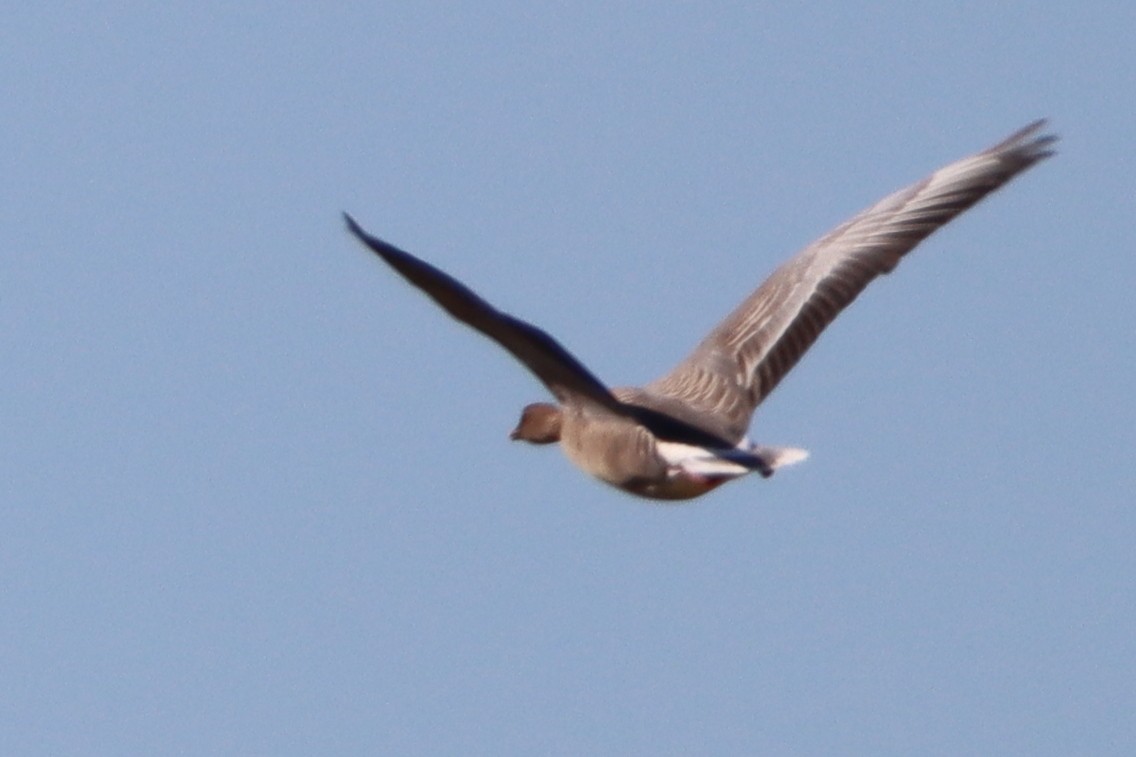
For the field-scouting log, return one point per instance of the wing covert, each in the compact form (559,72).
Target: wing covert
(740,362)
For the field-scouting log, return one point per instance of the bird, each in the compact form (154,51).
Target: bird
(685,434)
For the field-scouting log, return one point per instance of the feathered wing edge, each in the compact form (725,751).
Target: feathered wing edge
(741,361)
(564,375)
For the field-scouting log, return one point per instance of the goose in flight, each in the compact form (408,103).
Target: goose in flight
(685,433)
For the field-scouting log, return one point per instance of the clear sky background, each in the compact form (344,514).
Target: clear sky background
(256,495)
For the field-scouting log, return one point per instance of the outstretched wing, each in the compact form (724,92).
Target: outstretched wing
(740,362)
(564,375)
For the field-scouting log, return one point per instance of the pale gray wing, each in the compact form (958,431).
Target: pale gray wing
(740,362)
(553,365)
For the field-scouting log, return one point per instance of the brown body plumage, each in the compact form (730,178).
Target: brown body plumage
(684,434)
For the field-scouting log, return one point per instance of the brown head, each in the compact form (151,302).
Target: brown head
(539,424)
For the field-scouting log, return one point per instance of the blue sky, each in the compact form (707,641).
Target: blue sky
(256,495)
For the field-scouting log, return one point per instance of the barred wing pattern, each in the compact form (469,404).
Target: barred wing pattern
(741,361)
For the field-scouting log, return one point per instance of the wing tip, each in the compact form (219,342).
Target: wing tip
(387,251)
(353,226)
(1027,144)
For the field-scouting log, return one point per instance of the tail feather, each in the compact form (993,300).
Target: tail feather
(730,463)
(777,457)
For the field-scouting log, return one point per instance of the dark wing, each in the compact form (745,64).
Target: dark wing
(556,368)
(740,362)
